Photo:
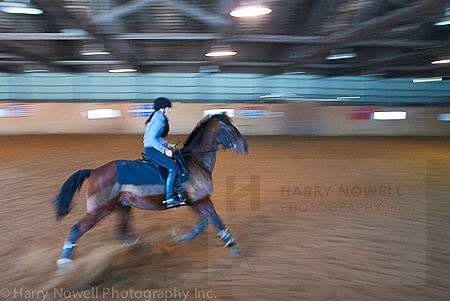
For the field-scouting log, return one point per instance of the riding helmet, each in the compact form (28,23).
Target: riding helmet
(162,102)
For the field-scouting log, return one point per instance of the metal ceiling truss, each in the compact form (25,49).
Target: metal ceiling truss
(392,37)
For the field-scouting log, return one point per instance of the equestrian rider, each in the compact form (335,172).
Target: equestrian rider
(159,150)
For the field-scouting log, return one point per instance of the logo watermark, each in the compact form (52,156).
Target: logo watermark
(348,191)
(328,198)
(342,207)
(108,293)
(234,194)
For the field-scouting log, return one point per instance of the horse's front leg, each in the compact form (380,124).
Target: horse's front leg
(193,234)
(206,208)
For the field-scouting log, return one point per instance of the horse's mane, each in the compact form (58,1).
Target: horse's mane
(197,132)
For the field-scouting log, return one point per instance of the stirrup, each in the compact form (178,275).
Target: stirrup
(173,202)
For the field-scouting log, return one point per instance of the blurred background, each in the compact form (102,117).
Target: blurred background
(297,67)
(344,95)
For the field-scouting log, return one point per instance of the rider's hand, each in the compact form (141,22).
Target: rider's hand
(172,147)
(168,152)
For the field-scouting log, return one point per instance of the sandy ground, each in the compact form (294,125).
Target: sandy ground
(315,218)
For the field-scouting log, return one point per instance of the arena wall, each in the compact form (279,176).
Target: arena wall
(287,118)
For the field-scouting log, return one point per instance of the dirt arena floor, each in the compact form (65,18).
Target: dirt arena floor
(315,218)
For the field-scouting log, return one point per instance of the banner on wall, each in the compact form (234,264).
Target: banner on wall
(17,110)
(258,111)
(140,110)
(360,113)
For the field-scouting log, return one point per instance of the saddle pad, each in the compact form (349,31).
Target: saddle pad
(138,173)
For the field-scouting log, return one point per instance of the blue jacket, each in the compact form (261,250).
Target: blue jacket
(153,132)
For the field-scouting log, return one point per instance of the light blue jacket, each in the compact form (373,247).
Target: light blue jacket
(153,130)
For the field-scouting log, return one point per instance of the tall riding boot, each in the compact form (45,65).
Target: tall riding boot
(171,200)
(179,190)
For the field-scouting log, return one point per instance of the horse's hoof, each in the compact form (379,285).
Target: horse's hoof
(235,251)
(64,262)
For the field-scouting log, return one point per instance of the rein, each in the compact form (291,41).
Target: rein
(204,152)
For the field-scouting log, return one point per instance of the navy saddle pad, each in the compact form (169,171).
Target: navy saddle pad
(139,173)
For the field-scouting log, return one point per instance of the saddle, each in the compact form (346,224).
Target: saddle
(147,172)
(183,173)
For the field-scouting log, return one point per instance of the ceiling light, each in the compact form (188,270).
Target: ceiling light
(445,20)
(19,7)
(294,73)
(446,61)
(122,70)
(340,54)
(36,71)
(250,11)
(428,79)
(94,50)
(99,52)
(93,47)
(224,50)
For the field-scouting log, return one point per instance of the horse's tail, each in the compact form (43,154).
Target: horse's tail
(68,190)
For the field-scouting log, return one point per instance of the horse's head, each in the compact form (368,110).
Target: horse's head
(229,135)
(213,130)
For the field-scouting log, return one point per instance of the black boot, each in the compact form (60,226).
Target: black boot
(171,200)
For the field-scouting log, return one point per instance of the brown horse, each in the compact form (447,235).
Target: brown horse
(105,195)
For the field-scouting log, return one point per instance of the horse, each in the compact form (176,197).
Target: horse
(105,195)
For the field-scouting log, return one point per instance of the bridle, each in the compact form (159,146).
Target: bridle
(227,131)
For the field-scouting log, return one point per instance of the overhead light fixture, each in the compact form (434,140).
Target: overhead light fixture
(445,20)
(294,72)
(35,68)
(224,50)
(250,9)
(122,70)
(95,52)
(93,49)
(36,71)
(427,79)
(444,61)
(340,54)
(19,7)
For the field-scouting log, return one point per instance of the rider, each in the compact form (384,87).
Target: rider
(159,150)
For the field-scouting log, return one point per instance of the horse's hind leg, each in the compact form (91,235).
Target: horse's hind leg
(206,208)
(77,230)
(125,234)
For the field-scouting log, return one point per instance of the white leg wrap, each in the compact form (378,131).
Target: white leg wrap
(226,237)
(68,245)
(224,234)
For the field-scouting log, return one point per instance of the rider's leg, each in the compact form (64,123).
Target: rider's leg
(172,167)
(170,183)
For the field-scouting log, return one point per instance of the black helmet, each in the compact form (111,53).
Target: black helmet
(162,102)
